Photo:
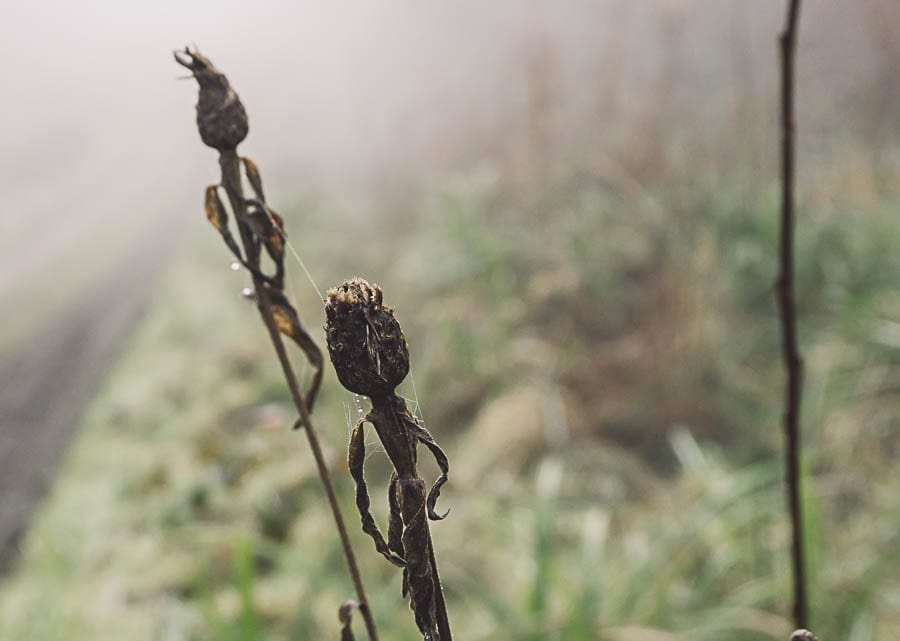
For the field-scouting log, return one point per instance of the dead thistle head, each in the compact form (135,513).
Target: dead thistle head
(221,117)
(365,342)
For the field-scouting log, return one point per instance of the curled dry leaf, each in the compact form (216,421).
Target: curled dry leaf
(218,217)
(267,228)
(254,177)
(356,460)
(265,223)
(288,323)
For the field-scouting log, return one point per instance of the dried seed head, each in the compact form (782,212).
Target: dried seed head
(221,117)
(365,342)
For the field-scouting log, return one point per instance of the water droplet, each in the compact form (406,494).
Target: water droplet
(246,292)
(235,266)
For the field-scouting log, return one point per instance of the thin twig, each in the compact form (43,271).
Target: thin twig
(232,181)
(787,305)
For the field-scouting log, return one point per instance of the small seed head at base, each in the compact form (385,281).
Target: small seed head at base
(221,117)
(365,342)
(803,635)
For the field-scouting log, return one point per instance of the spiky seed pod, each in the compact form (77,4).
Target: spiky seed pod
(365,342)
(221,117)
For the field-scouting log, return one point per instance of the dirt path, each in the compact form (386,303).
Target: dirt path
(47,382)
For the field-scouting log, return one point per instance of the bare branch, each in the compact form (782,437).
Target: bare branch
(787,306)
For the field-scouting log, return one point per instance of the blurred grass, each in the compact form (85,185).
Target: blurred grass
(602,368)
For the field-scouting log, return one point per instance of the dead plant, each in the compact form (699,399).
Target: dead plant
(370,356)
(223,125)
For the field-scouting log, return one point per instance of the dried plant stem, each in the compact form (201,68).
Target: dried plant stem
(440,606)
(231,180)
(787,306)
(370,356)
(443,621)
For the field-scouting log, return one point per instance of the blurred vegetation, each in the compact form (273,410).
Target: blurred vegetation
(603,370)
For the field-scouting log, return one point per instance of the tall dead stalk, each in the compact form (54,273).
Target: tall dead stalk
(222,122)
(787,306)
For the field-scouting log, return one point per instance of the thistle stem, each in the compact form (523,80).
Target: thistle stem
(231,180)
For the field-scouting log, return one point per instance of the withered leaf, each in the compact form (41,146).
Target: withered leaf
(288,323)
(215,209)
(268,227)
(218,217)
(356,461)
(395,524)
(426,439)
(254,177)
(274,234)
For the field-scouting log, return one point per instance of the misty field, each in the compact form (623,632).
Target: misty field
(574,213)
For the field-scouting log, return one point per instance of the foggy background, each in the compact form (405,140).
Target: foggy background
(373,97)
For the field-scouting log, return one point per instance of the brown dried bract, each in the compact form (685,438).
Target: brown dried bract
(288,323)
(218,218)
(254,177)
